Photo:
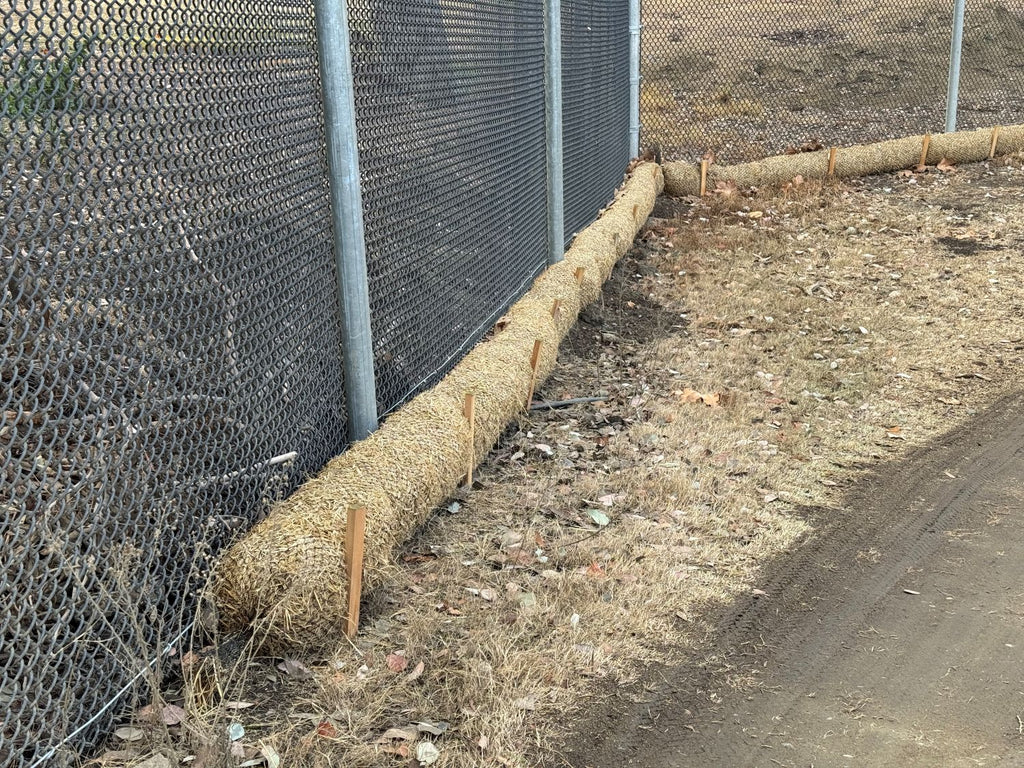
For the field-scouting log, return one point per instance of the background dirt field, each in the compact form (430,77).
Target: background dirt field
(755,77)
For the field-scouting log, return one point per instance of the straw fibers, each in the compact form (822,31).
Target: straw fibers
(286,578)
(861,160)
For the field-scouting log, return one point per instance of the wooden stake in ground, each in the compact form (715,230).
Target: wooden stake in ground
(995,142)
(469,411)
(832,152)
(580,271)
(703,177)
(556,310)
(355,535)
(925,143)
(534,359)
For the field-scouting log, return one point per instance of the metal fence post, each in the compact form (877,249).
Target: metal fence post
(634,77)
(347,215)
(953,85)
(553,123)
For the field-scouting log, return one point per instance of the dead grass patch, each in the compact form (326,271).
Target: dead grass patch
(757,349)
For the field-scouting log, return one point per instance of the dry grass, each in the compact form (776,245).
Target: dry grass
(833,326)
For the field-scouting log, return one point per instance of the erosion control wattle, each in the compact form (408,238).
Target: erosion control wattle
(286,579)
(848,162)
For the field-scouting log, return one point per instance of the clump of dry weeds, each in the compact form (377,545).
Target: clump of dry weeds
(757,350)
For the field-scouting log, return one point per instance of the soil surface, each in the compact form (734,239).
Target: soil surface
(892,636)
(751,78)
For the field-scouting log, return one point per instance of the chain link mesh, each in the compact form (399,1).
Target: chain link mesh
(595,113)
(745,81)
(450,108)
(168,326)
(169,318)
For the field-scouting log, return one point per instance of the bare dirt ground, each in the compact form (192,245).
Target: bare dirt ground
(891,638)
(759,351)
(754,77)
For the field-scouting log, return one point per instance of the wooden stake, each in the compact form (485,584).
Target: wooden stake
(556,310)
(636,210)
(469,411)
(534,360)
(924,150)
(580,271)
(355,535)
(703,177)
(994,144)
(832,160)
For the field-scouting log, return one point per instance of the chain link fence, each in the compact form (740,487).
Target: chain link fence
(169,311)
(745,80)
(595,52)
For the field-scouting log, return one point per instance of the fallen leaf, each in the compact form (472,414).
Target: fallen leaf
(488,594)
(156,761)
(416,672)
(598,517)
(112,756)
(691,396)
(326,729)
(270,755)
(295,669)
(406,733)
(235,731)
(434,729)
(129,733)
(397,662)
(712,400)
(945,166)
(483,742)
(171,714)
(401,750)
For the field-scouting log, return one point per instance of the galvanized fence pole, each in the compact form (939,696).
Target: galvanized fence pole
(553,121)
(953,84)
(347,215)
(634,77)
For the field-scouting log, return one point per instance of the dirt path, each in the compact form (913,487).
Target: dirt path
(892,637)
